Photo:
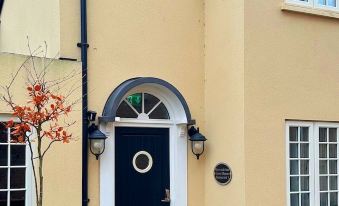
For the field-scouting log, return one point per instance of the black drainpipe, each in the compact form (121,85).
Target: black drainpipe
(84,45)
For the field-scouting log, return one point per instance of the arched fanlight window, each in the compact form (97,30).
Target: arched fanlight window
(142,106)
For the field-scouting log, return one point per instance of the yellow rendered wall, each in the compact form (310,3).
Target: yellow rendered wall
(224,100)
(62,169)
(70,28)
(291,72)
(127,39)
(133,38)
(39,20)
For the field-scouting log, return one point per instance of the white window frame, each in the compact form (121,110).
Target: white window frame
(313,4)
(314,186)
(29,180)
(308,3)
(316,134)
(311,159)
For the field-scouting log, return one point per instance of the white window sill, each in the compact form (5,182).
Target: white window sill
(309,10)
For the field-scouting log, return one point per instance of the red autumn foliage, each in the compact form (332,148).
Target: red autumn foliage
(42,107)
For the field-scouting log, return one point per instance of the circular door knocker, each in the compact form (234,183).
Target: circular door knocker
(142,161)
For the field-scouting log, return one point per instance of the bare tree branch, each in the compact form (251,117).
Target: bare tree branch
(49,146)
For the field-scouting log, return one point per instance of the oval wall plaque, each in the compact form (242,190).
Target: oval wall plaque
(222,173)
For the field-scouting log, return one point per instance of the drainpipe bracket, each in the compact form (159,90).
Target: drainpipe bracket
(83,44)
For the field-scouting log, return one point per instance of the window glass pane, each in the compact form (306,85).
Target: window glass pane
(323,184)
(149,102)
(323,199)
(304,167)
(3,198)
(160,112)
(322,2)
(142,161)
(294,167)
(17,198)
(294,199)
(322,135)
(18,155)
(323,166)
(293,133)
(294,184)
(322,150)
(333,135)
(304,183)
(3,178)
(333,167)
(304,150)
(332,3)
(333,150)
(125,111)
(333,183)
(3,155)
(305,199)
(17,177)
(304,134)
(293,150)
(14,139)
(136,101)
(333,199)
(3,133)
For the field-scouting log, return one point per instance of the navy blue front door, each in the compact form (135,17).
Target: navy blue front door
(141,166)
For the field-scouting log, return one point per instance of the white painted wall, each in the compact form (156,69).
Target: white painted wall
(37,19)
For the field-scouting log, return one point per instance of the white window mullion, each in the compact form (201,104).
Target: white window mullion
(142,102)
(316,169)
(328,163)
(30,187)
(312,152)
(287,149)
(8,164)
(299,164)
(337,156)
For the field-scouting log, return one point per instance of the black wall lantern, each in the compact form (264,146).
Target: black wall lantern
(197,141)
(96,137)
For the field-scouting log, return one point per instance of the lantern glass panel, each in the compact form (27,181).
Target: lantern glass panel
(198,147)
(97,146)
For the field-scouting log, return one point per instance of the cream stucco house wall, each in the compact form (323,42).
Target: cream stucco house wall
(248,71)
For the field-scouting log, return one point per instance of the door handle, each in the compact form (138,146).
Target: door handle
(167,196)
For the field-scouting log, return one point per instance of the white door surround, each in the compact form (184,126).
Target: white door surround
(178,146)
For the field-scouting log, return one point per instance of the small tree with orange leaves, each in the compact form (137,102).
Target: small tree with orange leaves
(38,120)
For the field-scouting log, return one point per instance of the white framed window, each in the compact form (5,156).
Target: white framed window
(15,171)
(312,163)
(317,4)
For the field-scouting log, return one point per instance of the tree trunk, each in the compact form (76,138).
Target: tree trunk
(41,177)
(41,182)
